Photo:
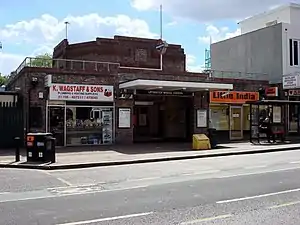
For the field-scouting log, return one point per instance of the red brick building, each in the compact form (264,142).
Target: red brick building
(120,90)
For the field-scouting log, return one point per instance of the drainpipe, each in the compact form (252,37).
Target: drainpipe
(33,83)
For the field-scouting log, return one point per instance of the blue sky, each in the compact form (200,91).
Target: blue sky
(36,26)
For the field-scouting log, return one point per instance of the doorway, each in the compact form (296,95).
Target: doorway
(236,123)
(163,119)
(56,124)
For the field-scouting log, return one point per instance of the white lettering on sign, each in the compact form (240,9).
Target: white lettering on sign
(79,92)
(40,144)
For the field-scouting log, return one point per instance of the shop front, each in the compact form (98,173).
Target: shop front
(291,84)
(229,114)
(80,114)
(294,112)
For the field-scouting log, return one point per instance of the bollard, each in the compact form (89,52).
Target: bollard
(53,160)
(17,142)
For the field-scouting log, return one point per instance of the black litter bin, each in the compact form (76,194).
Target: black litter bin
(50,153)
(40,147)
(211,134)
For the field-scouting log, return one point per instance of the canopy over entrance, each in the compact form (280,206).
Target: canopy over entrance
(163,85)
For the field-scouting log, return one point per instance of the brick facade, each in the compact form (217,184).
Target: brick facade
(127,51)
(121,54)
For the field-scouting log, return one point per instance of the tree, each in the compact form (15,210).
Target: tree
(3,80)
(44,60)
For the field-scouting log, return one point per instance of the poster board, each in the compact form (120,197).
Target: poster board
(201,118)
(124,120)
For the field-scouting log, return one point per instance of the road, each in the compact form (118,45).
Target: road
(245,189)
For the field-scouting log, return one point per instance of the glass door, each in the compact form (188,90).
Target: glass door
(56,123)
(236,123)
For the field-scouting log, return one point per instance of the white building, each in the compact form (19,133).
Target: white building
(269,44)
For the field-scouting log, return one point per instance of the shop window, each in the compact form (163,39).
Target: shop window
(35,117)
(89,125)
(293,118)
(219,117)
(246,117)
(56,123)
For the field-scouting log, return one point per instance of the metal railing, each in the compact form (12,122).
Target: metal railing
(71,64)
(63,64)
(238,75)
(85,65)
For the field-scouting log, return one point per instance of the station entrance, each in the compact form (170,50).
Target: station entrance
(163,118)
(166,110)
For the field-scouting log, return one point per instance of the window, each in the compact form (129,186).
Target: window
(296,58)
(219,117)
(291,52)
(294,52)
(89,125)
(293,118)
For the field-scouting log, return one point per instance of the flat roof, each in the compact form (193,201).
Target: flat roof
(277,9)
(141,84)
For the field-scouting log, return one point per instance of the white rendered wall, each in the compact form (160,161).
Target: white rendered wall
(281,15)
(289,31)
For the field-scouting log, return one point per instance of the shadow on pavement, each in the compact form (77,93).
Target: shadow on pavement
(137,148)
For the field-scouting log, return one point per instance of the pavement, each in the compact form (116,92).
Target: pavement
(145,153)
(233,190)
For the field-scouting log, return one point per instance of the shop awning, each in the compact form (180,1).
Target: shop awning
(173,85)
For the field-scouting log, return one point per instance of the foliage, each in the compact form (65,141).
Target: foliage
(3,79)
(44,60)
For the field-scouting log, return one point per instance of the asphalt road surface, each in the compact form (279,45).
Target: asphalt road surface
(246,189)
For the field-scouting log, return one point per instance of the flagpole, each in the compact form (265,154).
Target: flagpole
(161,22)
(66,29)
(161,34)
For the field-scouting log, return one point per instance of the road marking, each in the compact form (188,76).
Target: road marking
(63,181)
(144,178)
(258,196)
(107,219)
(254,167)
(65,194)
(58,178)
(258,172)
(295,162)
(201,173)
(207,219)
(284,205)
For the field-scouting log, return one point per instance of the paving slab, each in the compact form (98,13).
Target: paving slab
(82,159)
